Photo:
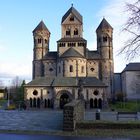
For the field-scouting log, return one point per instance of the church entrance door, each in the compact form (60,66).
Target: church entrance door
(64,99)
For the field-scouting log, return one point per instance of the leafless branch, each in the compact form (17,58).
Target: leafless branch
(132,26)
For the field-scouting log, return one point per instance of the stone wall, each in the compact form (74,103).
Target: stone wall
(73,112)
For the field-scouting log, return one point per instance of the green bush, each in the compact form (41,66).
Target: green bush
(126,106)
(108,125)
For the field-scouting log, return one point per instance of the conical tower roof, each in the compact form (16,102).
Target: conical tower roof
(104,25)
(74,12)
(41,26)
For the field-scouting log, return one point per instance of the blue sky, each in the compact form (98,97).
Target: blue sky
(18,18)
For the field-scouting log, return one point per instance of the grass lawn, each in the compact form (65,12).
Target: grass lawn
(126,106)
(109,132)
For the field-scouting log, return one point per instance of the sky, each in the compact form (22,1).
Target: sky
(18,18)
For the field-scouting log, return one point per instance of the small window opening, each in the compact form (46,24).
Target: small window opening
(35,92)
(104,39)
(71,68)
(82,69)
(68,32)
(96,92)
(50,69)
(72,18)
(92,69)
(39,40)
(76,32)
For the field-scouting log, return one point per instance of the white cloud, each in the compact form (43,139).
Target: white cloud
(11,68)
(15,69)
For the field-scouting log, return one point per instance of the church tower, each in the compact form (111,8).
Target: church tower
(72,32)
(41,36)
(105,49)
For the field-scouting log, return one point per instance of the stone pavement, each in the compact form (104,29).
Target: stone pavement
(43,119)
(31,120)
(108,116)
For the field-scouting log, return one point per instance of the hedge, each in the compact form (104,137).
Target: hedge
(108,125)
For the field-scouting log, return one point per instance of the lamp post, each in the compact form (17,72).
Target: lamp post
(8,97)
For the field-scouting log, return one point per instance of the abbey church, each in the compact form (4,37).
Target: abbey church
(58,75)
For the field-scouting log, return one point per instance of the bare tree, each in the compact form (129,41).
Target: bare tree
(16,82)
(132,27)
(1,83)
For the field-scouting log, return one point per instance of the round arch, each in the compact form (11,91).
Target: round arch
(95,103)
(31,102)
(64,97)
(100,103)
(91,103)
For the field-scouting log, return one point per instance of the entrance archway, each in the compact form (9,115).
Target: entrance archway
(64,99)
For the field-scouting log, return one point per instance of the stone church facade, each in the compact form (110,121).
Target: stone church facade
(57,76)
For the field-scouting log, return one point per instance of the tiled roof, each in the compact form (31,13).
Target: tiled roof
(66,82)
(74,39)
(104,25)
(43,81)
(132,67)
(50,55)
(41,26)
(71,53)
(74,12)
(92,55)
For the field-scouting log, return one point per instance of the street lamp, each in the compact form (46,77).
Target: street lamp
(8,98)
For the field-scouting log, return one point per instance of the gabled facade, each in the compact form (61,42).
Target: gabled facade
(56,75)
(130,77)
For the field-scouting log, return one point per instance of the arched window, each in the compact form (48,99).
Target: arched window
(71,68)
(100,103)
(82,69)
(31,104)
(104,38)
(76,32)
(46,41)
(49,103)
(38,102)
(45,103)
(72,18)
(91,103)
(34,102)
(39,40)
(95,103)
(68,32)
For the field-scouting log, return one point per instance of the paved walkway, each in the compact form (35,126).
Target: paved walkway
(43,119)
(31,120)
(109,116)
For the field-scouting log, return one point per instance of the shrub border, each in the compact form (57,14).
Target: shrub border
(108,125)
